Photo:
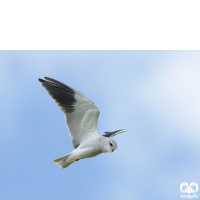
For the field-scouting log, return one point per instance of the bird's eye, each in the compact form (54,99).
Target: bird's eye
(111,144)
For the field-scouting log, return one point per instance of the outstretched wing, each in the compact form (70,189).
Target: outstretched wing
(81,113)
(111,134)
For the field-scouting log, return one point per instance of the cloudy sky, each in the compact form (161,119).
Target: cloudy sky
(155,95)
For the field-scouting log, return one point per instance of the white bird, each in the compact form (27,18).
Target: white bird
(81,117)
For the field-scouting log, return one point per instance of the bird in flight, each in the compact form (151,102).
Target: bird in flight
(81,117)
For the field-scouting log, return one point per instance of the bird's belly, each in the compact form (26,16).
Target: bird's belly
(93,154)
(88,153)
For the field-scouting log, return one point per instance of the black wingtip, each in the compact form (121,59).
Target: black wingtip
(61,93)
(52,80)
(111,134)
(41,80)
(48,79)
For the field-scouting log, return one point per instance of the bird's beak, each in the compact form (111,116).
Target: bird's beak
(112,150)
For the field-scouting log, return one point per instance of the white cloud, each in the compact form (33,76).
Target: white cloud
(173,91)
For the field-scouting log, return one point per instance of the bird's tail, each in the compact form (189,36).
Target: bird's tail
(64,161)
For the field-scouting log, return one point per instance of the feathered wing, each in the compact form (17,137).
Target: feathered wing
(81,113)
(111,134)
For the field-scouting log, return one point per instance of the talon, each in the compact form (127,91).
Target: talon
(75,159)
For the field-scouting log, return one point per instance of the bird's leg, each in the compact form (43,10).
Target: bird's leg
(75,159)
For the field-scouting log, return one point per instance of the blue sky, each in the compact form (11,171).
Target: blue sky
(155,95)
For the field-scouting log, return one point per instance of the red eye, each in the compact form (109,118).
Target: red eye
(111,144)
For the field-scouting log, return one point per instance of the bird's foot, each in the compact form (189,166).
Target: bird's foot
(75,159)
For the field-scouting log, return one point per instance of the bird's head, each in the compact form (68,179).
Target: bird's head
(110,145)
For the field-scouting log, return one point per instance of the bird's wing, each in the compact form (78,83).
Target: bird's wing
(111,134)
(81,113)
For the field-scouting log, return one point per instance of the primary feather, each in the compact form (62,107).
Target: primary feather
(81,113)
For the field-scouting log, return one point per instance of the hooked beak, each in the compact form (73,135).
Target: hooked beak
(112,150)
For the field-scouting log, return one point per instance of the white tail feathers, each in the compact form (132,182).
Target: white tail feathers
(64,161)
